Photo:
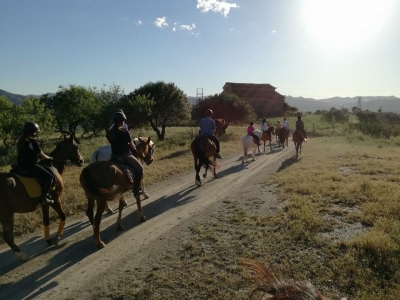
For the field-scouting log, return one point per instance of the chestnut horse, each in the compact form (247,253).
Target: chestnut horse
(104,153)
(298,139)
(16,199)
(202,149)
(221,126)
(104,181)
(267,136)
(276,288)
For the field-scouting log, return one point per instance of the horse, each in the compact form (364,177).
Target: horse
(202,149)
(267,136)
(276,288)
(283,137)
(298,139)
(221,126)
(16,198)
(248,142)
(105,181)
(104,153)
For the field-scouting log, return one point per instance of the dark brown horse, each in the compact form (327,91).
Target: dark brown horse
(298,139)
(104,181)
(202,149)
(16,199)
(267,136)
(283,137)
(221,126)
(276,288)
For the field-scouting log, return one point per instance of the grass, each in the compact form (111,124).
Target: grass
(339,226)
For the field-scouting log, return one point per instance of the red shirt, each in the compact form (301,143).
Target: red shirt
(250,130)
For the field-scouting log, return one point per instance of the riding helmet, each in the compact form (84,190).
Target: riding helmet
(119,116)
(209,112)
(30,127)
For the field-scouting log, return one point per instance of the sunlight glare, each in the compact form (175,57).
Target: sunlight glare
(342,24)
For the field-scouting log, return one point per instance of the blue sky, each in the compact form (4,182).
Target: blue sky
(310,48)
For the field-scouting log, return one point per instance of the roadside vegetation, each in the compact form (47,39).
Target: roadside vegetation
(336,219)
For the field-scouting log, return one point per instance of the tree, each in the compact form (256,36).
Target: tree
(164,105)
(225,106)
(72,106)
(335,116)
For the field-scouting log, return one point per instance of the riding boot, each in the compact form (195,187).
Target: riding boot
(46,198)
(136,184)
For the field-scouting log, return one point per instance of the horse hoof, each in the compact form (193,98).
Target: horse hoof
(100,245)
(198,183)
(20,256)
(204,175)
(124,203)
(56,240)
(109,211)
(120,228)
(49,242)
(146,196)
(143,219)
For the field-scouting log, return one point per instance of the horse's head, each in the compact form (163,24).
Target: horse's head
(271,129)
(68,151)
(145,148)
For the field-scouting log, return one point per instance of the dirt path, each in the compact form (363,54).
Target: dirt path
(74,267)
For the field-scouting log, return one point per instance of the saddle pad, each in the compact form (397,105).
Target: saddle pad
(31,185)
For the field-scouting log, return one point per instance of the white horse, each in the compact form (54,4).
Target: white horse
(104,153)
(248,143)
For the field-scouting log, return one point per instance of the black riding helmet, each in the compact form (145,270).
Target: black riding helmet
(30,127)
(119,116)
(209,112)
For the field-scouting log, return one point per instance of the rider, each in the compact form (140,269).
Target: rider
(207,128)
(250,131)
(264,125)
(28,152)
(300,126)
(285,124)
(122,145)
(278,125)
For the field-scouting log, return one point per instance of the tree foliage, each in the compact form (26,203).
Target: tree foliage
(159,104)
(336,116)
(225,106)
(378,124)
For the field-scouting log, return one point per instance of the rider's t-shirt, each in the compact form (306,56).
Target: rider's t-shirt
(28,155)
(250,130)
(207,126)
(264,127)
(278,126)
(300,125)
(284,124)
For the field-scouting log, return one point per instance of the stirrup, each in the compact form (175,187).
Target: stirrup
(46,201)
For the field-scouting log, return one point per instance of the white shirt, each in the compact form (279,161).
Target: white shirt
(264,127)
(284,124)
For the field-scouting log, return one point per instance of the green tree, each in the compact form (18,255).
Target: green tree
(73,106)
(335,116)
(225,106)
(164,105)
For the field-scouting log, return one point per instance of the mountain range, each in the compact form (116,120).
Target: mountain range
(372,103)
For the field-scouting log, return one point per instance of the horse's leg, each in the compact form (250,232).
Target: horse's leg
(101,205)
(46,224)
(254,154)
(7,220)
(120,207)
(59,210)
(89,210)
(139,208)
(145,194)
(214,167)
(244,156)
(108,208)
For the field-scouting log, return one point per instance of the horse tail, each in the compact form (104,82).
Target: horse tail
(88,184)
(204,160)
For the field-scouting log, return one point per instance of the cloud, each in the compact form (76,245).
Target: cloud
(161,22)
(220,6)
(188,28)
(139,22)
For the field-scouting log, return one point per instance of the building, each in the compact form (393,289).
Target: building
(265,101)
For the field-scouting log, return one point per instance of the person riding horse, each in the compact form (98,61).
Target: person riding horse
(122,146)
(250,131)
(207,128)
(300,126)
(285,124)
(264,125)
(28,153)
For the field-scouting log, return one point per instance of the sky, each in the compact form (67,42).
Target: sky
(309,48)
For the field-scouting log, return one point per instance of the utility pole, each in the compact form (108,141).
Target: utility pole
(199,94)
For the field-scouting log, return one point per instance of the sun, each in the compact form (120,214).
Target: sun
(338,24)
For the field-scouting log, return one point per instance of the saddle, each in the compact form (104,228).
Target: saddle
(128,169)
(32,186)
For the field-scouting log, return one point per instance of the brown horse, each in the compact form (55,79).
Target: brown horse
(221,126)
(16,199)
(283,137)
(267,136)
(105,181)
(202,149)
(280,289)
(298,139)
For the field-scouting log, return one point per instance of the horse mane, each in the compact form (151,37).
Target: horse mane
(268,282)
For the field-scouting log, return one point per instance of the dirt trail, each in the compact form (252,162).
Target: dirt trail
(67,271)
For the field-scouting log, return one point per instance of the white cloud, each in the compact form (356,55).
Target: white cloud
(189,28)
(220,6)
(139,22)
(161,22)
